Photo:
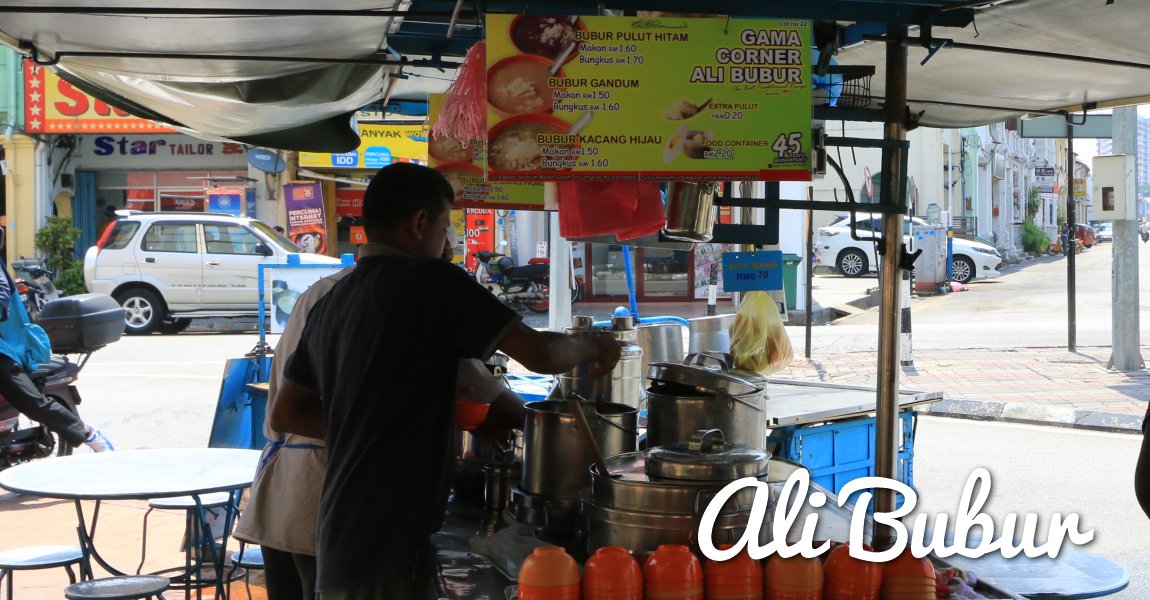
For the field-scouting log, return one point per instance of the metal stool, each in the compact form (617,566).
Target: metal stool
(31,558)
(247,558)
(131,587)
(187,504)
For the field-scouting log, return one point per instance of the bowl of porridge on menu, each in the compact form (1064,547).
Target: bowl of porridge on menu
(461,175)
(530,142)
(447,149)
(520,84)
(546,35)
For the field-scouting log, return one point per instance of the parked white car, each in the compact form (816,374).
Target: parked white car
(1104,232)
(838,250)
(168,268)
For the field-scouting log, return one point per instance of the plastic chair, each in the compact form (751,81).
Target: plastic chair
(32,558)
(246,558)
(130,587)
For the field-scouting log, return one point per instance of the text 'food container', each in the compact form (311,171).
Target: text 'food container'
(704,392)
(659,496)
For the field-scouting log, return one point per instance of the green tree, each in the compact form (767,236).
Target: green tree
(57,240)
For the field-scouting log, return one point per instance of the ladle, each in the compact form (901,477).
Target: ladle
(576,405)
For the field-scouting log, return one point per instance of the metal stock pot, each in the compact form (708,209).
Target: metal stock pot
(659,496)
(693,395)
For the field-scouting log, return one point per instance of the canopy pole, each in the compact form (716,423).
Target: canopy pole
(1071,246)
(890,280)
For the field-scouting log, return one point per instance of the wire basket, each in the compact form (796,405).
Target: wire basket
(843,86)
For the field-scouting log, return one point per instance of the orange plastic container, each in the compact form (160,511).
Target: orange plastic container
(468,415)
(738,578)
(794,578)
(673,572)
(908,578)
(848,578)
(612,574)
(549,573)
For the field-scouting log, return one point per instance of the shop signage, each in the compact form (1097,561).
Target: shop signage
(226,201)
(464,168)
(1044,179)
(349,202)
(306,226)
(1080,188)
(579,98)
(160,152)
(52,105)
(752,271)
(379,146)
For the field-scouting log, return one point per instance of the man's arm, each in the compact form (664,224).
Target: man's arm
(550,352)
(298,410)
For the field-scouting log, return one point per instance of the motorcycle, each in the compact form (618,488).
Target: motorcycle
(516,286)
(34,284)
(23,439)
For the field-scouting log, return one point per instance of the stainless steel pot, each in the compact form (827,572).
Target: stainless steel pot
(471,455)
(709,334)
(661,342)
(690,211)
(659,496)
(686,397)
(555,456)
(624,385)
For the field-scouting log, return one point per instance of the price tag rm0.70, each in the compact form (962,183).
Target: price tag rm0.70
(752,271)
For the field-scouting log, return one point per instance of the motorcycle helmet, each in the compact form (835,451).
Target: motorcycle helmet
(505,264)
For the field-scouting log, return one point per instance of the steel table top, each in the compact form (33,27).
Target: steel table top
(134,474)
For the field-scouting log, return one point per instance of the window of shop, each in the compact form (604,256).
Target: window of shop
(158,190)
(659,274)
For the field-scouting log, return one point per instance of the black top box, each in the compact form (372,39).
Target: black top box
(82,323)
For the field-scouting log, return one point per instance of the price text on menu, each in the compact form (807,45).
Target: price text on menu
(593,98)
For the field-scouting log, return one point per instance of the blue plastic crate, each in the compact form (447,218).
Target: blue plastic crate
(531,388)
(840,451)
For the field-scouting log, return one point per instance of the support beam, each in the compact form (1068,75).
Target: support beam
(890,280)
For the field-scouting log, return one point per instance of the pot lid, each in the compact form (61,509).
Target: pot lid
(694,372)
(707,457)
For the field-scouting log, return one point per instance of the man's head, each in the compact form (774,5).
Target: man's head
(408,206)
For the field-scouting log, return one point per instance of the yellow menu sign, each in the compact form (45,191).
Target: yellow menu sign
(464,169)
(379,146)
(584,98)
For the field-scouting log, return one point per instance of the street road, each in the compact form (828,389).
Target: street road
(1026,307)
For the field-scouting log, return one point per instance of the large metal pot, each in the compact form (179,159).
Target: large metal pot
(690,211)
(689,396)
(659,496)
(555,455)
(661,342)
(709,334)
(471,455)
(624,385)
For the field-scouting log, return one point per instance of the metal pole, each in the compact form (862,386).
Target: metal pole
(1071,245)
(807,260)
(890,280)
(1126,353)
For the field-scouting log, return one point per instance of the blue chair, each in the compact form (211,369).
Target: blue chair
(246,558)
(31,558)
(194,537)
(130,587)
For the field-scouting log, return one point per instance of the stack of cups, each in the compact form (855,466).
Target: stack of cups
(549,573)
(673,572)
(848,578)
(737,578)
(794,578)
(908,578)
(612,574)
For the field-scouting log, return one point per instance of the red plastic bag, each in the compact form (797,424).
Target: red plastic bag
(627,209)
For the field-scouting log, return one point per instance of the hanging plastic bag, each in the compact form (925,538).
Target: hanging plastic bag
(759,342)
(627,209)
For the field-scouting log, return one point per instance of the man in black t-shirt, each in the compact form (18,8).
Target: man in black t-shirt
(381,350)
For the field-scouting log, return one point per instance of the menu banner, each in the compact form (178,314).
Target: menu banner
(52,105)
(464,167)
(306,223)
(379,146)
(584,98)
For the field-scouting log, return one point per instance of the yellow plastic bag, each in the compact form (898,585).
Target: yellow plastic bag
(759,342)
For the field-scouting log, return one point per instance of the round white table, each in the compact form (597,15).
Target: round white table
(140,475)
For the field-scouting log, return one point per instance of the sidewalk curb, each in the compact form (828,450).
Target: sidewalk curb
(1037,414)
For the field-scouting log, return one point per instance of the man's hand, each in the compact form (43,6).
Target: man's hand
(603,352)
